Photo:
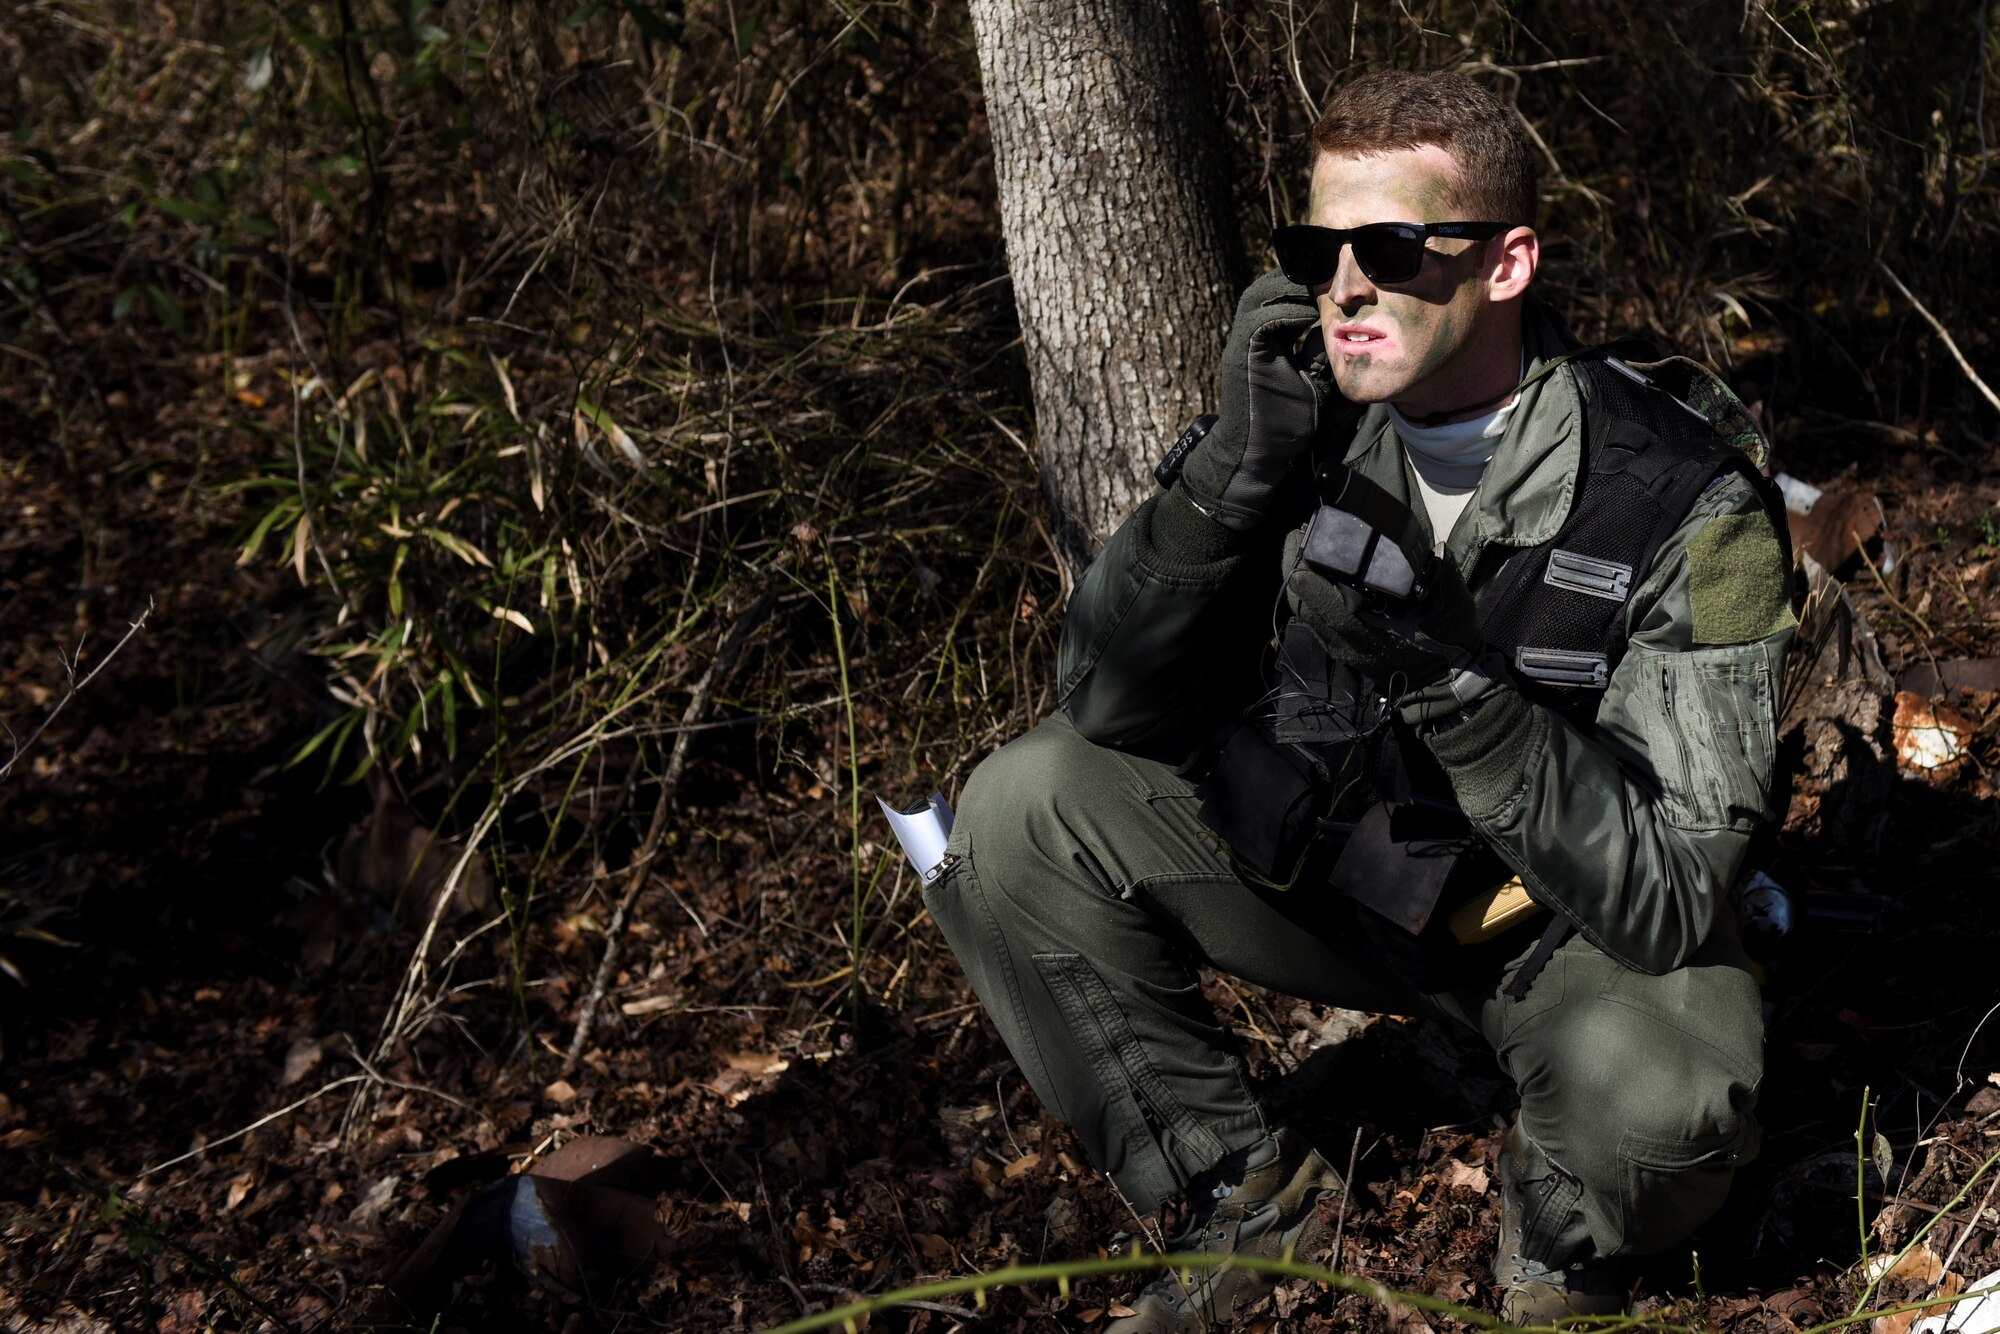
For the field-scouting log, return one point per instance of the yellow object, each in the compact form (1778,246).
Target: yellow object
(1487,914)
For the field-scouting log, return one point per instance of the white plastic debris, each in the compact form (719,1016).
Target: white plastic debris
(922,828)
(1799,496)
(1928,736)
(1765,907)
(1976,1311)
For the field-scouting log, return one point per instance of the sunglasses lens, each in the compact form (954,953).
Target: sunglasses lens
(1386,252)
(1308,255)
(1389,255)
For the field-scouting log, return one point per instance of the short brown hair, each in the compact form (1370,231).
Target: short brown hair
(1393,110)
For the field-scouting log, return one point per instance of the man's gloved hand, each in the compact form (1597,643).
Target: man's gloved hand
(1276,392)
(1427,656)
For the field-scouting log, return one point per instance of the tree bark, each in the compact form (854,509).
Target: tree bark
(1120,232)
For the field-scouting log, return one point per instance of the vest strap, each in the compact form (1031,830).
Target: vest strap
(1553,936)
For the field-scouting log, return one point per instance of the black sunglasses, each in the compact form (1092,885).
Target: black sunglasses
(1388,252)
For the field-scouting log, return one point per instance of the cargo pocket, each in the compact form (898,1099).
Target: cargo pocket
(1146,1113)
(957,902)
(1708,722)
(1669,1187)
(1736,691)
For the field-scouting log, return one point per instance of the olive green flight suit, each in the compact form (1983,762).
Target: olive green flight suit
(1082,893)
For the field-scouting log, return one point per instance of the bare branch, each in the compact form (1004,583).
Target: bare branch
(69,669)
(1943,333)
(642,861)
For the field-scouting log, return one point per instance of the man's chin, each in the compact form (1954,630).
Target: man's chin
(1366,389)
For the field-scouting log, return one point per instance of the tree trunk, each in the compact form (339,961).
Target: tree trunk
(1121,236)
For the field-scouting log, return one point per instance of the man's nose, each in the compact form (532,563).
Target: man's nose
(1351,287)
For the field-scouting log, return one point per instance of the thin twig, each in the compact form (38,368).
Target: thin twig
(261,1121)
(1292,50)
(407,998)
(944,1308)
(1944,334)
(642,861)
(1861,1193)
(1861,550)
(1971,1225)
(960,1312)
(368,1075)
(69,666)
(1347,1189)
(1883,1271)
(853,791)
(1000,1101)
(380,1078)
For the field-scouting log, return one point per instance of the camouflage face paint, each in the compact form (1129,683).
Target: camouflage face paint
(1403,343)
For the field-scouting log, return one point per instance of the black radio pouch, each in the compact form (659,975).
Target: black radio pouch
(1408,865)
(1264,799)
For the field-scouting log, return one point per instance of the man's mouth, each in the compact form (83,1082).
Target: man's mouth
(1355,337)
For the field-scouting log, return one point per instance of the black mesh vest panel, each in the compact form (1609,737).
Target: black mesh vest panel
(1556,612)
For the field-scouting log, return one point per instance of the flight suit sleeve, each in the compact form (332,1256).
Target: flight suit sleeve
(1162,637)
(1637,829)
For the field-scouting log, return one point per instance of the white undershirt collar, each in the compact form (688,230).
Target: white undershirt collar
(1455,454)
(1450,459)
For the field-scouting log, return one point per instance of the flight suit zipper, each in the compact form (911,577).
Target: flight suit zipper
(1674,727)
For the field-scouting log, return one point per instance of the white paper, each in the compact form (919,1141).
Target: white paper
(1972,1314)
(1799,496)
(922,829)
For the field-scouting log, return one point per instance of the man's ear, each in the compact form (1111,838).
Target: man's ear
(1516,255)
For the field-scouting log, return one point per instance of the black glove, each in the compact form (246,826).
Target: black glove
(1426,656)
(1276,392)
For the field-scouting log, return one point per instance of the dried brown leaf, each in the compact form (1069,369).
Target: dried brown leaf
(302,1056)
(1473,1178)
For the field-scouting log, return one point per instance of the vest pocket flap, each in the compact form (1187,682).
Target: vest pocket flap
(1264,800)
(1402,861)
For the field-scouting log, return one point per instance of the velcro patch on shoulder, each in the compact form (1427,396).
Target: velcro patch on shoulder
(1738,588)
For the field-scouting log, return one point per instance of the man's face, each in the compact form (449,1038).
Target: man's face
(1399,343)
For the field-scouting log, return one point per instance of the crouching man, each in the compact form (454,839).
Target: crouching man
(1309,763)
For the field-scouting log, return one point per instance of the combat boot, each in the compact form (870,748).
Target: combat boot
(1261,1200)
(1536,1293)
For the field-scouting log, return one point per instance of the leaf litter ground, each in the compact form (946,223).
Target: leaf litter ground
(810,1158)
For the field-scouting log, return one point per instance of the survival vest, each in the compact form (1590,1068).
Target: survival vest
(1658,432)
